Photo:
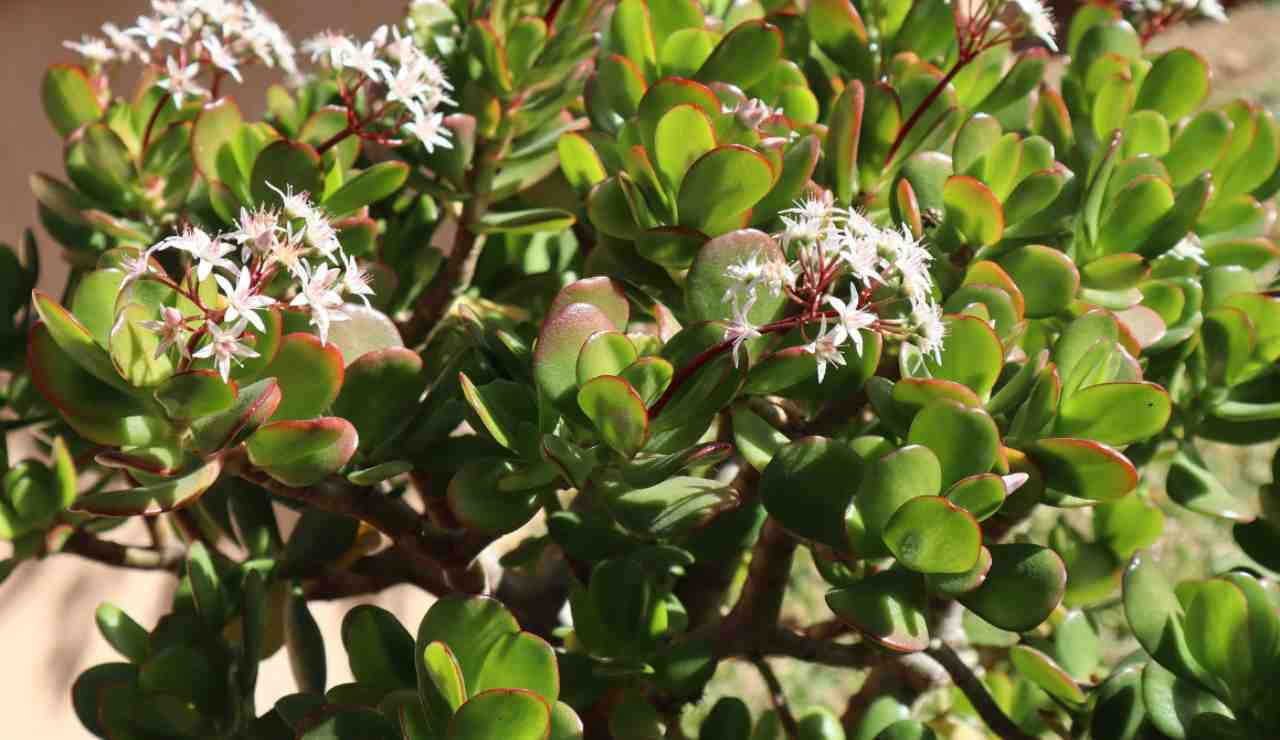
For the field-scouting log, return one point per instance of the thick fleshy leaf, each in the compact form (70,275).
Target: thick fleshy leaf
(844,128)
(1044,672)
(808,485)
(370,186)
(374,391)
(604,293)
(1173,702)
(196,393)
(1128,524)
(153,499)
(1084,468)
(673,506)
(1047,278)
(954,585)
(973,215)
(971,355)
(980,495)
(710,281)
(125,635)
(604,353)
(555,358)
(887,607)
(666,94)
(1133,214)
(891,481)
(1197,147)
(929,534)
(309,374)
(520,660)
(133,348)
(1156,617)
(965,441)
(1217,630)
(97,411)
(285,164)
(215,131)
(1193,486)
(744,56)
(474,496)
(1025,584)
(721,184)
(838,30)
(683,134)
(76,340)
(254,404)
(1115,413)
(617,412)
(348,721)
(525,221)
(68,98)
(302,453)
(379,649)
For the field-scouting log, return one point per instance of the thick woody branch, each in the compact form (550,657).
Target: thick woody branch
(372,574)
(81,543)
(753,622)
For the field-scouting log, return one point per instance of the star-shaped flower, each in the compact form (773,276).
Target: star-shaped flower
(171,327)
(243,301)
(320,295)
(224,346)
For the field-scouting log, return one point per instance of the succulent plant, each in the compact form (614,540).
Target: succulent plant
(672,290)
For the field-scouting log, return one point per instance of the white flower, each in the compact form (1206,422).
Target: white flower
(930,331)
(92,48)
(815,207)
(181,81)
(208,251)
(257,231)
(288,251)
(741,330)
(430,130)
(752,271)
(751,113)
(170,327)
(125,45)
(135,267)
(319,295)
(294,205)
(220,57)
(355,280)
(225,346)
(1039,21)
(327,45)
(1189,249)
(911,261)
(363,59)
(321,235)
(154,30)
(1212,9)
(859,253)
(852,319)
(243,300)
(826,349)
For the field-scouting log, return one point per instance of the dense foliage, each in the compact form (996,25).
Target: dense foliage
(674,290)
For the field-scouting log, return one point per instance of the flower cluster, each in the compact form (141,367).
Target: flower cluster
(886,272)
(401,87)
(297,237)
(185,38)
(1154,16)
(982,24)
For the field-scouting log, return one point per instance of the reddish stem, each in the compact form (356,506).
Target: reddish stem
(918,113)
(151,122)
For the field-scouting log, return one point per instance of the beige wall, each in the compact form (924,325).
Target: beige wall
(47,635)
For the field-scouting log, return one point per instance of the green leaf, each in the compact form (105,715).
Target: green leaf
(617,412)
(302,453)
(673,506)
(1217,630)
(527,221)
(971,355)
(442,670)
(347,723)
(474,496)
(1128,524)
(907,729)
(1025,584)
(305,644)
(164,496)
(379,649)
(887,607)
(1047,278)
(709,281)
(89,687)
(285,164)
(1197,147)
(1084,468)
(980,495)
(214,132)
(373,392)
(206,586)
(755,439)
(632,35)
(844,129)
(721,184)
(370,186)
(838,30)
(973,215)
(666,94)
(1194,487)
(309,374)
(1115,413)
(883,711)
(604,293)
(75,340)
(1172,702)
(125,635)
(194,394)
(929,534)
(68,98)
(965,441)
(1133,214)
(1156,618)
(555,358)
(890,481)
(808,486)
(133,348)
(254,404)
(744,56)
(579,162)
(520,660)
(683,135)
(470,626)
(1041,670)
(604,353)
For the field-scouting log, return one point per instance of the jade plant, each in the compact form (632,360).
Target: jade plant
(599,320)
